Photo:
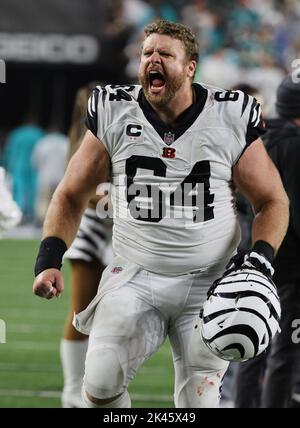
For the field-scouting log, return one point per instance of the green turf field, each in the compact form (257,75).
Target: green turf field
(30,372)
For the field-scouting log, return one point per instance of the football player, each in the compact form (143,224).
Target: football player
(88,256)
(176,149)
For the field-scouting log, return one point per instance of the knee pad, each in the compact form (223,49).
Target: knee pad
(104,375)
(200,390)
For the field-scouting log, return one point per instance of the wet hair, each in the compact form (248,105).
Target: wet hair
(176,31)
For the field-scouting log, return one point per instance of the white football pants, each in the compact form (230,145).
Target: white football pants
(131,323)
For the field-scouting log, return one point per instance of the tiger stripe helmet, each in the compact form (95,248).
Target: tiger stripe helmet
(241,315)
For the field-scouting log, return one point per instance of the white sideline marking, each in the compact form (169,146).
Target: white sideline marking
(33,313)
(19,367)
(28,328)
(32,367)
(56,394)
(34,346)
(29,393)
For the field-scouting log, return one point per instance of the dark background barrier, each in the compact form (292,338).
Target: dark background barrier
(52,47)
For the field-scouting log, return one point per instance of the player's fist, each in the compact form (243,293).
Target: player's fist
(49,284)
(252,260)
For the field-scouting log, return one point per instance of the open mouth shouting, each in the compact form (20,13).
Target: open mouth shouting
(157,81)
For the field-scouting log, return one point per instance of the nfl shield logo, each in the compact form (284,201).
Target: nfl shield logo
(169,138)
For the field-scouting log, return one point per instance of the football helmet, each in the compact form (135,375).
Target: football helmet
(241,315)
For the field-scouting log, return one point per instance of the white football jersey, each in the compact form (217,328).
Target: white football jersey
(174,209)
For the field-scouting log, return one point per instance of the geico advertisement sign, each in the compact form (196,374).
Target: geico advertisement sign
(52,48)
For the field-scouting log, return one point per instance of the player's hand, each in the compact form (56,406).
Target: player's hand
(252,260)
(49,284)
(242,260)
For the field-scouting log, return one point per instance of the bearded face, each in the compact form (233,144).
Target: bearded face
(163,69)
(158,87)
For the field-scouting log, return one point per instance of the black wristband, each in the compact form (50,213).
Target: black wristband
(50,254)
(264,248)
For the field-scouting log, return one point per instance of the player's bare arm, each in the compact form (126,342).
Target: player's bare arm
(258,179)
(89,166)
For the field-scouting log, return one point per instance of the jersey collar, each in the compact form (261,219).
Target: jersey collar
(185,119)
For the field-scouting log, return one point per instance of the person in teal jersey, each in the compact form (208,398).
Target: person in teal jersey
(17,160)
